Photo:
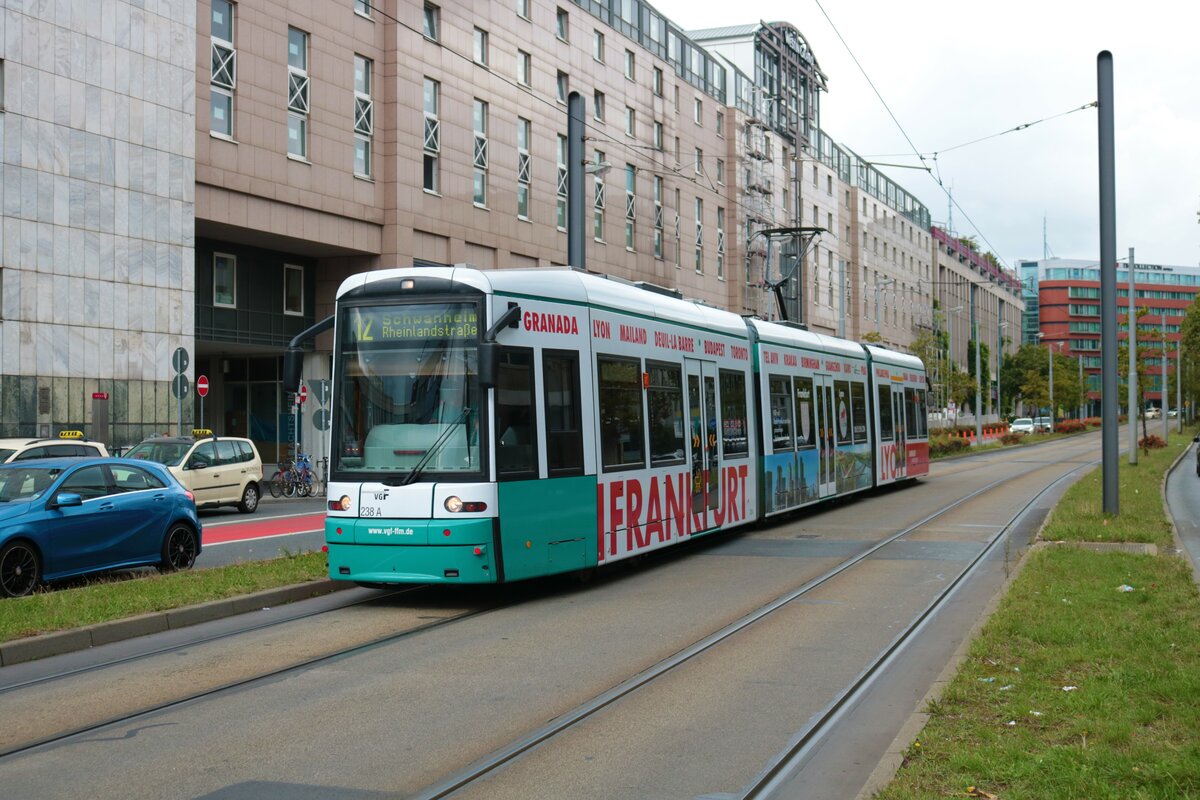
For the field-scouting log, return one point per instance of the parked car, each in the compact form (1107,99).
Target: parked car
(68,444)
(219,471)
(1173,413)
(1153,413)
(63,517)
(1021,425)
(1043,425)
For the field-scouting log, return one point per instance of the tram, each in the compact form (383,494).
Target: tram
(493,426)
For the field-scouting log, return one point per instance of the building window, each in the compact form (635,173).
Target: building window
(656,81)
(658,216)
(630,205)
(598,201)
(720,123)
(224,280)
(721,171)
(598,105)
(432,22)
(598,46)
(629,64)
(524,69)
(224,70)
(699,235)
(480,158)
(630,121)
(524,166)
(363,8)
(481,46)
(523,9)
(433,136)
(561,87)
(562,25)
(293,290)
(678,231)
(297,93)
(658,136)
(698,111)
(720,243)
(364,115)
(561,215)
(699,165)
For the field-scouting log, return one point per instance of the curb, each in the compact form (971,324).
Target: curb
(32,648)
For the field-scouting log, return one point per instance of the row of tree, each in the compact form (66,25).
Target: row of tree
(1025,373)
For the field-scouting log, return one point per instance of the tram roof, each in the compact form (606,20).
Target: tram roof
(885,356)
(573,286)
(774,333)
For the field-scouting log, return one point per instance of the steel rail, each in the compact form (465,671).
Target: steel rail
(483,766)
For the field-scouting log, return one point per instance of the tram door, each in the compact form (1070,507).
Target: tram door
(704,425)
(826,444)
(900,433)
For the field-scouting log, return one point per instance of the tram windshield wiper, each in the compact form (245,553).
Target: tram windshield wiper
(435,448)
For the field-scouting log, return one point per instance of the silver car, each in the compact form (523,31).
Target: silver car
(1021,425)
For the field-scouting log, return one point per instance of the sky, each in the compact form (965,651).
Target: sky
(953,71)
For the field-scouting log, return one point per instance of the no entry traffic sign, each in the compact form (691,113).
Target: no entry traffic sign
(202,385)
(302,395)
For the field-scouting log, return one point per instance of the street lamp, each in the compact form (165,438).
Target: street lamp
(999,350)
(879,285)
(950,352)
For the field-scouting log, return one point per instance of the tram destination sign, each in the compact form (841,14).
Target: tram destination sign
(395,323)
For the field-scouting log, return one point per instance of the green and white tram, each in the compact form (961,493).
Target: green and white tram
(494,426)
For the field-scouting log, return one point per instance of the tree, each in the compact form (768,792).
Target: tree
(1015,369)
(962,387)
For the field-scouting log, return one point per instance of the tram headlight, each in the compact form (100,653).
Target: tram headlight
(454,504)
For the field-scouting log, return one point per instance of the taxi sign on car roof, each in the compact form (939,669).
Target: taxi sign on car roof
(202,433)
(70,434)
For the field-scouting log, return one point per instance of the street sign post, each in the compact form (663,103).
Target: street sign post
(202,392)
(179,386)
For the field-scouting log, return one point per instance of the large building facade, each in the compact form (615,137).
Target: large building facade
(1066,317)
(213,197)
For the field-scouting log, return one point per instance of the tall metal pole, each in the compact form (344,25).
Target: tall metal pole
(1082,393)
(1178,383)
(1108,281)
(1165,386)
(576,256)
(842,298)
(999,361)
(1133,402)
(1050,356)
(978,373)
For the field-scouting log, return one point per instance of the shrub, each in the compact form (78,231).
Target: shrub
(1151,442)
(1010,438)
(1070,426)
(1094,422)
(945,444)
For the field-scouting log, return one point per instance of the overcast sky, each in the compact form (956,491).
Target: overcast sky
(953,71)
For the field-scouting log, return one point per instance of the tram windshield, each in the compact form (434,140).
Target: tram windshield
(407,395)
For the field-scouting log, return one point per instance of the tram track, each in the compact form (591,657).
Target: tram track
(578,713)
(780,768)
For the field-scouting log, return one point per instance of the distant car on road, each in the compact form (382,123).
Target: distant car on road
(1173,413)
(220,471)
(1153,413)
(68,444)
(1043,425)
(1021,425)
(62,517)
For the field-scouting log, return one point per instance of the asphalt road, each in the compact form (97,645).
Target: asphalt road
(395,717)
(277,528)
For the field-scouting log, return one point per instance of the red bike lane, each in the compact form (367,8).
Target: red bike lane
(221,532)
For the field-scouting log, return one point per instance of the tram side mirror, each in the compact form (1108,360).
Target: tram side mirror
(293,364)
(489,364)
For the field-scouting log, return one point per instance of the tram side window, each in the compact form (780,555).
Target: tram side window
(619,389)
(735,441)
(516,426)
(842,411)
(858,403)
(910,412)
(564,432)
(664,396)
(922,414)
(781,413)
(886,433)
(806,429)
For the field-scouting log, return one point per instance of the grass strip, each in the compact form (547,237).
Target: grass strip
(1086,680)
(128,594)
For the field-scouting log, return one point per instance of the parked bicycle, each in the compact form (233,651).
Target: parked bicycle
(294,478)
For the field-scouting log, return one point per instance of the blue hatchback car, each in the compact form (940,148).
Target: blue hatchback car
(61,517)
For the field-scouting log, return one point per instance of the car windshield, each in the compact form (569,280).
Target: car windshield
(25,483)
(168,453)
(1023,421)
(5,452)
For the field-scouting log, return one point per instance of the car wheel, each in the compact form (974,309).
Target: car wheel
(249,499)
(179,548)
(20,569)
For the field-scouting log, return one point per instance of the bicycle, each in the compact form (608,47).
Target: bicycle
(283,482)
(303,475)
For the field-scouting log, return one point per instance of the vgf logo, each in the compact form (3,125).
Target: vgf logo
(381,495)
